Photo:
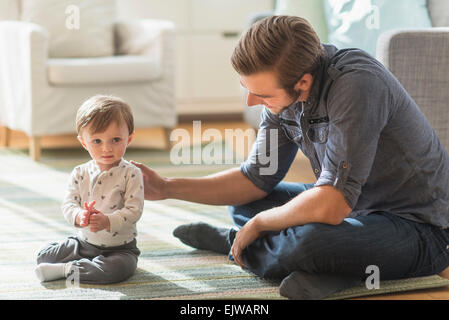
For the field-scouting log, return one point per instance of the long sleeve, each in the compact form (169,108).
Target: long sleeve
(71,205)
(360,113)
(271,155)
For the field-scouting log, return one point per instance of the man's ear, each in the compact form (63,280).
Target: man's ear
(305,83)
(80,139)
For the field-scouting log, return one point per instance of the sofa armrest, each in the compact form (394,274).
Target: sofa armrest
(23,59)
(412,45)
(420,61)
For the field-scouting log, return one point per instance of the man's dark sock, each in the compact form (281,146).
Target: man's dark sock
(301,285)
(204,236)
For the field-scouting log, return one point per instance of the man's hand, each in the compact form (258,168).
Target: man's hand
(154,184)
(98,222)
(244,237)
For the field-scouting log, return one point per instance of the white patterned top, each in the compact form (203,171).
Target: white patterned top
(118,193)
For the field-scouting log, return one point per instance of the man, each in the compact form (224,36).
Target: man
(382,192)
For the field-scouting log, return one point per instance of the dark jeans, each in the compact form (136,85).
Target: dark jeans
(400,248)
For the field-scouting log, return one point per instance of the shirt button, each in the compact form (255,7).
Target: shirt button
(317,170)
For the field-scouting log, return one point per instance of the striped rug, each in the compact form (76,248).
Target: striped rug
(30,199)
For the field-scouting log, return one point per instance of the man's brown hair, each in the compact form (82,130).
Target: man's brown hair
(100,110)
(287,45)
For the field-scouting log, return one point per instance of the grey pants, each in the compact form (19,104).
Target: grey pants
(96,265)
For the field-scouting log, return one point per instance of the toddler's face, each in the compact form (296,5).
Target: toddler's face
(106,148)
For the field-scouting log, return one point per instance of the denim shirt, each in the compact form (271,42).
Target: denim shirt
(363,135)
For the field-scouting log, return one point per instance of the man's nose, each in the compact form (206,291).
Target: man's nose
(252,100)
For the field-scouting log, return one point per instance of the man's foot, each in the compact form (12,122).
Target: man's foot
(204,236)
(444,273)
(300,285)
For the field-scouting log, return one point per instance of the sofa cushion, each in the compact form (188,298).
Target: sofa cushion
(103,70)
(77,28)
(9,9)
(358,23)
(439,12)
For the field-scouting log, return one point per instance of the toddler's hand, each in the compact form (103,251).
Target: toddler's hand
(98,222)
(88,211)
(84,219)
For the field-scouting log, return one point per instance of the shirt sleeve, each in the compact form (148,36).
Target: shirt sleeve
(133,202)
(71,205)
(358,111)
(271,155)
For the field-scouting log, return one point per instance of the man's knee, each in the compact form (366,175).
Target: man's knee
(244,209)
(233,209)
(314,249)
(303,248)
(241,214)
(307,238)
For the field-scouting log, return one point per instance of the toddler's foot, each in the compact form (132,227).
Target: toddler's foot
(204,236)
(51,271)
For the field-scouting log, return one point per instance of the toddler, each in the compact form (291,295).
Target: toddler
(104,201)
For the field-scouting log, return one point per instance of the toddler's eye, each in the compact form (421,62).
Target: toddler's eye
(96,141)
(116,139)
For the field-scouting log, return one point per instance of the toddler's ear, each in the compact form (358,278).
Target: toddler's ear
(131,136)
(80,139)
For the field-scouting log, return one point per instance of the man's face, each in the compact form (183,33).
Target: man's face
(263,88)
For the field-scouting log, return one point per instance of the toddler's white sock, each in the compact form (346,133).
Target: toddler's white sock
(50,271)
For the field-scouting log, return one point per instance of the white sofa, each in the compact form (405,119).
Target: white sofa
(41,89)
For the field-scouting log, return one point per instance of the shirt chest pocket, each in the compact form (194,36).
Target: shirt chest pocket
(318,131)
(292,130)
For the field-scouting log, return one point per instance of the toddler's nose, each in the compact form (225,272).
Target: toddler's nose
(107,147)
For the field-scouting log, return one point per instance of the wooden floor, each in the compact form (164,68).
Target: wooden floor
(300,171)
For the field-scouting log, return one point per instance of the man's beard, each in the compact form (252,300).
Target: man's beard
(294,97)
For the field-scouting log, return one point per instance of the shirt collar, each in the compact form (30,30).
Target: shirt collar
(94,169)
(317,86)
(320,78)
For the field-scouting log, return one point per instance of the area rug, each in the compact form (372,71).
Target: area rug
(30,199)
